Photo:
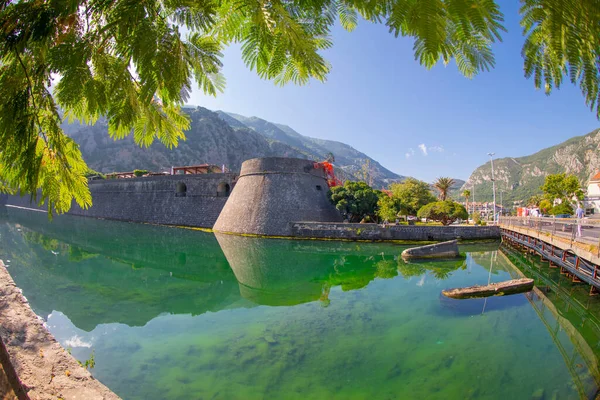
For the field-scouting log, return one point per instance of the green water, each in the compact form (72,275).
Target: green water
(180,314)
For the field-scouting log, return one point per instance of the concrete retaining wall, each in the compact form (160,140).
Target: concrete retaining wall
(187,200)
(392,232)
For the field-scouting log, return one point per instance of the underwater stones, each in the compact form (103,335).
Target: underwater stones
(538,394)
(270,339)
(438,250)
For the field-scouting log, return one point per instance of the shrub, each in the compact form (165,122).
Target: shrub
(477,217)
(91,174)
(446,212)
(140,172)
(355,200)
(562,208)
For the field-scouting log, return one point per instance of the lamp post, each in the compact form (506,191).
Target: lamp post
(493,185)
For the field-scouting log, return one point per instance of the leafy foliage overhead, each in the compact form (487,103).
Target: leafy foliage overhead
(135,62)
(563,41)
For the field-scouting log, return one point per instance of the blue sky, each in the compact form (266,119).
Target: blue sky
(414,121)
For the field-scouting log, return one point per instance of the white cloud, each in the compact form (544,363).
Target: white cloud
(410,153)
(423,148)
(76,341)
(436,149)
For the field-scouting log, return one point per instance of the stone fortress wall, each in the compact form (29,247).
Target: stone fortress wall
(272,197)
(273,192)
(186,200)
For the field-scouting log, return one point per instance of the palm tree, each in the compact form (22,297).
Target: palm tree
(443,185)
(466,194)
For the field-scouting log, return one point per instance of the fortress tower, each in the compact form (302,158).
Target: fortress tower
(272,192)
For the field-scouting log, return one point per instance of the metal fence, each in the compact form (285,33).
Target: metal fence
(585,231)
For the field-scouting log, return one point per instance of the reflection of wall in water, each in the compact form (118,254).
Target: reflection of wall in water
(286,272)
(104,271)
(272,272)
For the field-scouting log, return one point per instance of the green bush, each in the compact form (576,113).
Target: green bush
(562,208)
(140,172)
(355,200)
(91,174)
(446,211)
(476,217)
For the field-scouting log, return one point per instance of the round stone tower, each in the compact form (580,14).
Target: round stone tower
(272,192)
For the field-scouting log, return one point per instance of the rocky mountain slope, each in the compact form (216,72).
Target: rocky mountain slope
(347,158)
(220,138)
(519,178)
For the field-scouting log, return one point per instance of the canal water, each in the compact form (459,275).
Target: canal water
(172,313)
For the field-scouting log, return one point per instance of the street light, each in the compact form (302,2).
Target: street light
(493,185)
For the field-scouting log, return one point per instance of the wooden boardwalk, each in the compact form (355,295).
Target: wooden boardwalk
(574,255)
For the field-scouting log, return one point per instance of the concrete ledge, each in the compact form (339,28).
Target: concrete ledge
(44,369)
(438,250)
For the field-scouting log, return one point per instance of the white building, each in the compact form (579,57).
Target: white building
(592,199)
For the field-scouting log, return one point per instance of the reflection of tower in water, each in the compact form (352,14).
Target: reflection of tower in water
(276,272)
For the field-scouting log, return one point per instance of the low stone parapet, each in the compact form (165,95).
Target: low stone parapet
(376,232)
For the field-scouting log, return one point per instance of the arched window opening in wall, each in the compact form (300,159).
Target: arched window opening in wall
(223,189)
(181,190)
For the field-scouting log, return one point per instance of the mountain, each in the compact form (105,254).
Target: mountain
(219,138)
(520,178)
(209,140)
(455,190)
(351,161)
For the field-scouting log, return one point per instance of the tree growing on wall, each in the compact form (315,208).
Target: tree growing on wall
(140,172)
(445,212)
(355,200)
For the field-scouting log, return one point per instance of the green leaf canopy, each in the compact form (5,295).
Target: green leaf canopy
(135,62)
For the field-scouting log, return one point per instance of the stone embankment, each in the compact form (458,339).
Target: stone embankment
(375,232)
(34,364)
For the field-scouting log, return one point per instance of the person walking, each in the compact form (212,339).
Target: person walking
(579,213)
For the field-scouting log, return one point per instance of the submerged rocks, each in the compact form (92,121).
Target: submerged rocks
(438,250)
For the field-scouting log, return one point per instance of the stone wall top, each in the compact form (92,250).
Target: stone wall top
(280,165)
